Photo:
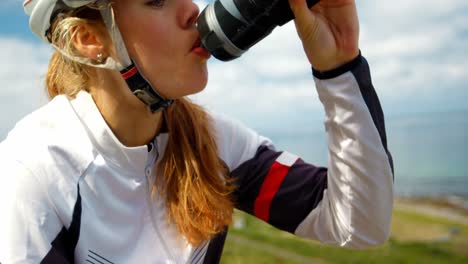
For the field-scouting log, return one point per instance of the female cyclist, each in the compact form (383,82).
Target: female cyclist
(120,167)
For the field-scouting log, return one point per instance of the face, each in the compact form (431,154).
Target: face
(162,39)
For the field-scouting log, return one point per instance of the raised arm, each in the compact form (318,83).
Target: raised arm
(349,203)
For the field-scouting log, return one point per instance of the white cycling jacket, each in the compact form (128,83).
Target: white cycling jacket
(70,192)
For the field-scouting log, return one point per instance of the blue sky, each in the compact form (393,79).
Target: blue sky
(417,52)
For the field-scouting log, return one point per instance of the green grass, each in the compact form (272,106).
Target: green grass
(238,253)
(428,243)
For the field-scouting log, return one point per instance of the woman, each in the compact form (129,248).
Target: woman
(108,174)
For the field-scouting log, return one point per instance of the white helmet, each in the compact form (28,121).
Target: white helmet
(42,12)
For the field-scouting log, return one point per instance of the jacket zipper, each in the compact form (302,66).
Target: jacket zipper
(153,156)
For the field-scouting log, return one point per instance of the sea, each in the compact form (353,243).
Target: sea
(429,150)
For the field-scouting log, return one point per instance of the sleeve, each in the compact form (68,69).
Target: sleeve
(347,204)
(29,223)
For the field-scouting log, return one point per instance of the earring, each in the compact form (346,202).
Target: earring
(100,58)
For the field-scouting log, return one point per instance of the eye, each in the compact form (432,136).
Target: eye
(156,3)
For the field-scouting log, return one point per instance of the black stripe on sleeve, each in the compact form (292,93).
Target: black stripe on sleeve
(360,69)
(249,177)
(299,193)
(63,246)
(363,78)
(338,71)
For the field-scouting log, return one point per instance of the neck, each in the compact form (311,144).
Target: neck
(129,118)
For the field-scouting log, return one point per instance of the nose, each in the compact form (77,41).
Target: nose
(188,14)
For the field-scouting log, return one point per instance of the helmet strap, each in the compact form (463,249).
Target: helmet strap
(135,80)
(141,88)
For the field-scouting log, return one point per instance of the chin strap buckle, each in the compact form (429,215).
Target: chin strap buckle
(141,88)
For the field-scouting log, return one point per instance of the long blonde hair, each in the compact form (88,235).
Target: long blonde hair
(194,186)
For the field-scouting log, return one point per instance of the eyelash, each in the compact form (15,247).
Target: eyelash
(156,3)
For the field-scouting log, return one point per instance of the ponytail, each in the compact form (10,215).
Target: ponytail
(195,186)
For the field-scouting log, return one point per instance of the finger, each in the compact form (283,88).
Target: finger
(306,22)
(302,13)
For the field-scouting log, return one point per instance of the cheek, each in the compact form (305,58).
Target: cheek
(160,62)
(148,39)
(150,47)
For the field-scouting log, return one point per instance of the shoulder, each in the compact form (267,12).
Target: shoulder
(50,142)
(225,125)
(236,142)
(30,135)
(39,124)
(18,185)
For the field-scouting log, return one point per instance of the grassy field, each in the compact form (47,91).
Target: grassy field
(415,238)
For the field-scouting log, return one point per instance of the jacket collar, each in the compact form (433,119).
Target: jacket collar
(105,142)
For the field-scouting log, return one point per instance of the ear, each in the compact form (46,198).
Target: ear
(88,41)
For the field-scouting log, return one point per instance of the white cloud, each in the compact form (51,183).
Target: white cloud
(401,10)
(417,50)
(21,77)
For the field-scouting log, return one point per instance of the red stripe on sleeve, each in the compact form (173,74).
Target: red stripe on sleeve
(130,73)
(269,189)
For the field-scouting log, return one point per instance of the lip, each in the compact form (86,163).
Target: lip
(196,44)
(199,50)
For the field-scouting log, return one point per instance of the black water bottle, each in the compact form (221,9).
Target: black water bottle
(228,28)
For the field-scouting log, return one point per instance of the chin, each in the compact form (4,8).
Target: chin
(198,81)
(183,83)
(197,87)
(193,86)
